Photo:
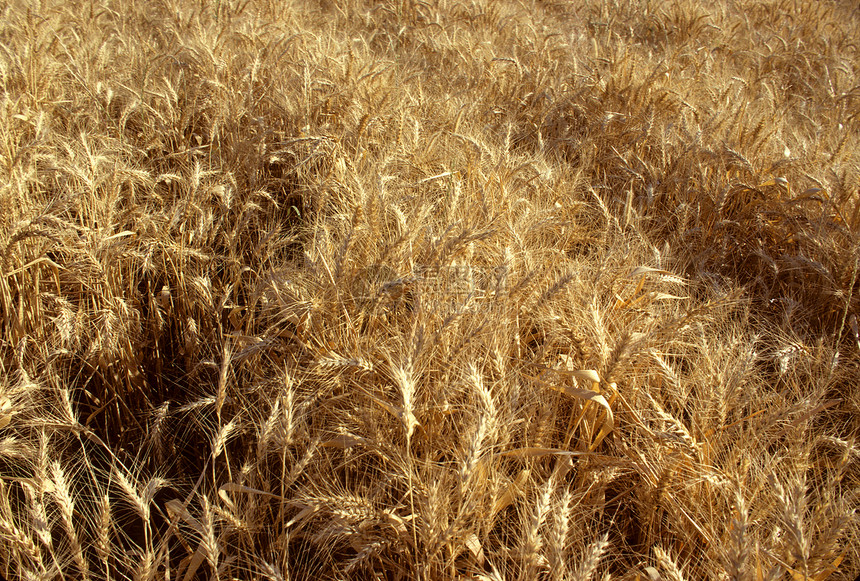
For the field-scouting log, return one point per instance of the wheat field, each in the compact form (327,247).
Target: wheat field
(444,289)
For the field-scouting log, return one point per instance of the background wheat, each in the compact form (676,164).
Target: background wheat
(429,289)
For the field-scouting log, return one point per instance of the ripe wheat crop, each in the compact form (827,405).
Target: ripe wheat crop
(478,289)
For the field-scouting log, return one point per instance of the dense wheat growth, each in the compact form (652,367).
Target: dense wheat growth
(444,289)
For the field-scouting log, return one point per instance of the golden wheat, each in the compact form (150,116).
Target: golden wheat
(429,289)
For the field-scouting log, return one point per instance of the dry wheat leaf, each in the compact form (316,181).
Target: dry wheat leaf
(646,270)
(583,374)
(305,513)
(830,569)
(406,417)
(177,508)
(196,561)
(585,394)
(343,442)
(774,182)
(513,490)
(473,544)
(232,487)
(5,411)
(534,451)
(664,296)
(122,234)
(588,395)
(821,575)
